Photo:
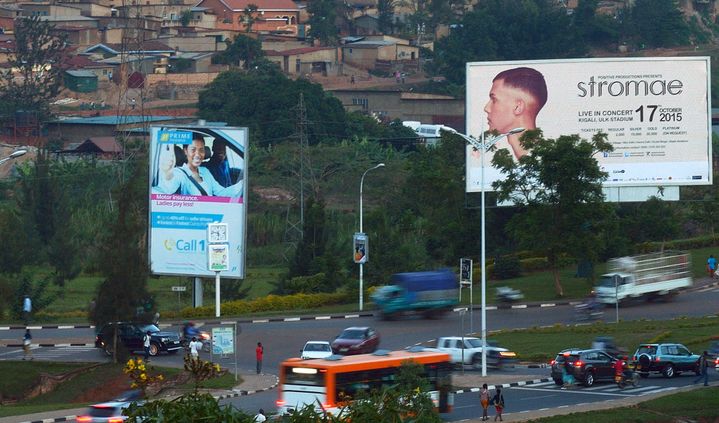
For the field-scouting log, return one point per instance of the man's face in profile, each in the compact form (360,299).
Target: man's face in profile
(219,150)
(502,106)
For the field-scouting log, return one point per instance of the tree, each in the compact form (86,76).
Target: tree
(123,255)
(592,28)
(659,23)
(252,99)
(37,56)
(249,16)
(385,15)
(507,30)
(242,50)
(323,14)
(558,189)
(186,18)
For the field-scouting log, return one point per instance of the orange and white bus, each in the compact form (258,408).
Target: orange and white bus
(325,380)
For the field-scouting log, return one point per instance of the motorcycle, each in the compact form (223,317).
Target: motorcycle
(201,336)
(586,313)
(623,380)
(507,295)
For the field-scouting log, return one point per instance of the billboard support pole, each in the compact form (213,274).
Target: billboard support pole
(217,294)
(197,293)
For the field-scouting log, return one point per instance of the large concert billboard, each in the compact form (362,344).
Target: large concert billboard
(656,112)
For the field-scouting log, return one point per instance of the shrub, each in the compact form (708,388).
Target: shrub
(269,303)
(506,267)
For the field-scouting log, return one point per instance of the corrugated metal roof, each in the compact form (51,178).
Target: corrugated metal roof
(113,120)
(81,73)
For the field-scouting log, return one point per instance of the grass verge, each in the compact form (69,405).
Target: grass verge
(698,405)
(542,344)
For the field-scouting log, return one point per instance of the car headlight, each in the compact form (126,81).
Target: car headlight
(507,354)
(163,340)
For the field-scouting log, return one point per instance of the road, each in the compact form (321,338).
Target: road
(284,339)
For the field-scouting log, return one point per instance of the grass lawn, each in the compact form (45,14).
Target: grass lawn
(82,390)
(542,344)
(700,405)
(260,281)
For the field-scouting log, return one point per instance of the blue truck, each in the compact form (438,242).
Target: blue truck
(431,293)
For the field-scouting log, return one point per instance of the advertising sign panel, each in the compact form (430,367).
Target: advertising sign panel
(656,112)
(360,248)
(223,340)
(198,177)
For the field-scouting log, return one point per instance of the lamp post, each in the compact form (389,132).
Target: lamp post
(484,145)
(14,154)
(361,229)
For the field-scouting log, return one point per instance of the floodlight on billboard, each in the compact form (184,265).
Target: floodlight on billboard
(198,177)
(655,111)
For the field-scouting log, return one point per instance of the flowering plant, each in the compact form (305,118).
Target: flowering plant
(136,369)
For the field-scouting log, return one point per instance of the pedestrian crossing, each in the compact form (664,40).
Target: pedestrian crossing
(62,353)
(599,389)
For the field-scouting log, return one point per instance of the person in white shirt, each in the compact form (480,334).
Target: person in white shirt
(260,417)
(146,344)
(195,347)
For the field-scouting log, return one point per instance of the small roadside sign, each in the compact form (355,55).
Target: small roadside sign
(179,288)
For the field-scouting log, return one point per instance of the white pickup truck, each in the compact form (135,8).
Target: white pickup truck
(468,350)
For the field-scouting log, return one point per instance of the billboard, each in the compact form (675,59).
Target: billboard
(656,112)
(198,177)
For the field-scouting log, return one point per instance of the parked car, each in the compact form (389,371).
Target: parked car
(714,352)
(587,366)
(356,340)
(131,336)
(316,349)
(107,412)
(665,358)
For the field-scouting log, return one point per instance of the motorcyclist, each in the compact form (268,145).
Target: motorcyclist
(189,331)
(622,370)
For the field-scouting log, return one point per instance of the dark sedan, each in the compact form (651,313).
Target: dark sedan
(587,366)
(356,340)
(131,336)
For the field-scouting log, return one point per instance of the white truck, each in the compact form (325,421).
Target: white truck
(650,276)
(468,350)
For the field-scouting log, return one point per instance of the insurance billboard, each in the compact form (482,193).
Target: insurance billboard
(656,112)
(198,176)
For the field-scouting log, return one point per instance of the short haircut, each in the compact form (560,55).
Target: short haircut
(526,79)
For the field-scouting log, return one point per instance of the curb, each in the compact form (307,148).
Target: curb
(334,316)
(51,420)
(242,393)
(48,345)
(506,385)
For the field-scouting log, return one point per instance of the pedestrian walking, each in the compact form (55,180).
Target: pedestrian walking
(26,309)
(567,374)
(259,352)
(703,369)
(484,400)
(352,79)
(146,344)
(195,347)
(498,401)
(711,266)
(133,103)
(26,344)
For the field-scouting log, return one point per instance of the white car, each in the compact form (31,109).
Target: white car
(108,412)
(316,349)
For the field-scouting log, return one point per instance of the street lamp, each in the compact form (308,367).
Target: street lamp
(361,265)
(483,146)
(14,154)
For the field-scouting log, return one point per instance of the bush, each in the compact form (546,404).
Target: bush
(506,267)
(269,303)
(679,244)
(306,284)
